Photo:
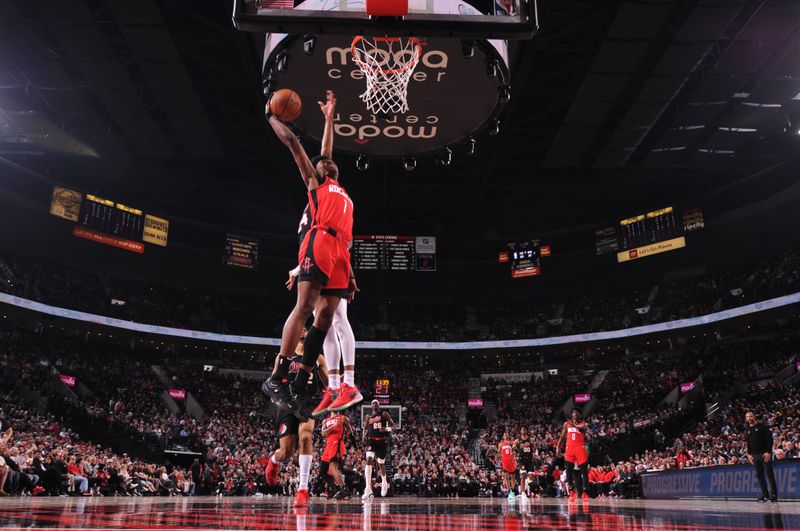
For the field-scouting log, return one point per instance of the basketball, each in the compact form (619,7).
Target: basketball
(286,105)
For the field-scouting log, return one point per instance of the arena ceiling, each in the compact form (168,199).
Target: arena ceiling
(615,105)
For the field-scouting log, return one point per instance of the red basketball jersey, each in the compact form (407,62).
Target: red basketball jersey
(336,425)
(575,436)
(506,452)
(332,208)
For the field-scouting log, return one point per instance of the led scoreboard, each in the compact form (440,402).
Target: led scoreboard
(525,258)
(394,253)
(648,234)
(105,221)
(240,251)
(382,391)
(112,218)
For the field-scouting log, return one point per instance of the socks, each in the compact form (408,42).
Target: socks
(384,480)
(305,471)
(282,372)
(368,477)
(333,382)
(349,378)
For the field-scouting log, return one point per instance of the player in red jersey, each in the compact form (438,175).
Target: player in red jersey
(291,430)
(576,455)
(335,429)
(509,466)
(340,343)
(324,259)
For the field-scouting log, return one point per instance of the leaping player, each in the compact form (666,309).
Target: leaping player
(325,274)
(340,342)
(525,451)
(293,426)
(576,456)
(509,466)
(378,424)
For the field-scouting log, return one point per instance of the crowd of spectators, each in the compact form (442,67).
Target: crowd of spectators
(171,304)
(438,452)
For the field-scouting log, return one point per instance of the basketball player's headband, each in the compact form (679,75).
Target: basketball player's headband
(374,402)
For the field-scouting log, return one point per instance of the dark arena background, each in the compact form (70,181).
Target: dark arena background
(569,297)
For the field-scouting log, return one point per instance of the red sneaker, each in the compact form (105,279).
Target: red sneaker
(327,399)
(302,498)
(585,496)
(271,473)
(348,397)
(573,496)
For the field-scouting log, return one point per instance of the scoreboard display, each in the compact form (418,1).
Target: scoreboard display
(394,253)
(105,221)
(525,258)
(647,234)
(240,251)
(382,391)
(112,218)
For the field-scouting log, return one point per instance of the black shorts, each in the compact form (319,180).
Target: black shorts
(288,423)
(379,447)
(527,465)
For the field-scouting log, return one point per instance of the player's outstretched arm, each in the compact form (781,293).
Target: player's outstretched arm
(289,139)
(328,108)
(561,440)
(323,371)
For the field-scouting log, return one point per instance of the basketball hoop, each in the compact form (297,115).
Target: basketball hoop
(387,63)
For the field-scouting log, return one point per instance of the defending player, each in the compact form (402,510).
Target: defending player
(525,452)
(509,466)
(576,456)
(335,429)
(378,424)
(340,342)
(324,259)
(290,428)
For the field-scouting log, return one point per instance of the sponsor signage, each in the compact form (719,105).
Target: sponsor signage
(686,387)
(475,403)
(732,481)
(649,250)
(107,239)
(69,381)
(66,203)
(178,394)
(156,230)
(582,398)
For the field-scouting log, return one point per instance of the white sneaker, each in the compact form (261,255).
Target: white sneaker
(384,490)
(523,496)
(367,494)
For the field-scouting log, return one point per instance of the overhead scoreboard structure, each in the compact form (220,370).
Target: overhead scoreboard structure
(394,253)
(108,222)
(655,232)
(524,257)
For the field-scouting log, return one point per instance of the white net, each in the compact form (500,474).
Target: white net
(388,64)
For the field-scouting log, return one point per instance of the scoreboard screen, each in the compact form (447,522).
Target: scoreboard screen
(382,391)
(112,218)
(525,258)
(240,251)
(647,234)
(394,253)
(652,227)
(105,221)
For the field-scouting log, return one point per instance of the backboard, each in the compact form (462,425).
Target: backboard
(480,19)
(458,87)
